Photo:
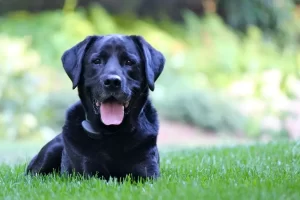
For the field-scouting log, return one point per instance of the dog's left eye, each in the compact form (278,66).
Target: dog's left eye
(129,62)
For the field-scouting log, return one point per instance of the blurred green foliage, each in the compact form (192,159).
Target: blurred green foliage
(268,15)
(29,103)
(215,78)
(202,109)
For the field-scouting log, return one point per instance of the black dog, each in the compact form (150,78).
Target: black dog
(112,130)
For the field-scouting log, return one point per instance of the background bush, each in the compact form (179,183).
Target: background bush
(216,77)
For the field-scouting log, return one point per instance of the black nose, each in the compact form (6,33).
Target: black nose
(112,82)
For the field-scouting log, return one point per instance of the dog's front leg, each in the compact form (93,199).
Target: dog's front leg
(48,159)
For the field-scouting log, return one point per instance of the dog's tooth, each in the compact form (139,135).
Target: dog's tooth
(97,103)
(126,104)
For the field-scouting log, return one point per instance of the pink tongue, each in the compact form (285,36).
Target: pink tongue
(112,113)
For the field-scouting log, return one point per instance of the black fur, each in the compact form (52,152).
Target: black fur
(95,148)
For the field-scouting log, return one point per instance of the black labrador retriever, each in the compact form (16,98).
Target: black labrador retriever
(112,130)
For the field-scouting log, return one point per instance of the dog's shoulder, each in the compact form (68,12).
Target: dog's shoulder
(74,115)
(150,112)
(148,120)
(72,128)
(145,136)
(75,112)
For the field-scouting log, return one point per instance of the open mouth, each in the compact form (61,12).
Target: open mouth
(111,110)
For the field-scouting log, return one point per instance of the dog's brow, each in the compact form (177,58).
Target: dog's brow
(94,55)
(131,56)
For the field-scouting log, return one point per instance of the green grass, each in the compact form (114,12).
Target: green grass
(269,171)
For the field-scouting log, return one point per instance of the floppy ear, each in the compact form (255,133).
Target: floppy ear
(154,60)
(72,59)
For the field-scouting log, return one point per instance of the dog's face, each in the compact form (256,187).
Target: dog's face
(113,70)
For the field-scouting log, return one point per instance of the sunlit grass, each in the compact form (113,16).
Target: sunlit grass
(270,171)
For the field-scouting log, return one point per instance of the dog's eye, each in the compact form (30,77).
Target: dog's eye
(98,61)
(129,62)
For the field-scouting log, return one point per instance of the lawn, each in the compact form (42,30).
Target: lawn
(265,171)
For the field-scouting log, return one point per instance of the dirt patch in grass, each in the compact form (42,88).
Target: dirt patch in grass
(180,134)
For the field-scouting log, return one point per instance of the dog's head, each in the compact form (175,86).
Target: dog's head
(111,73)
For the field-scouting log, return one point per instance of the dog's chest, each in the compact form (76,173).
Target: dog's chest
(108,163)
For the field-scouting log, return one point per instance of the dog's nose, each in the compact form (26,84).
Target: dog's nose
(112,82)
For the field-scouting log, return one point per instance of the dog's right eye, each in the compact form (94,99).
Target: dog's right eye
(98,61)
